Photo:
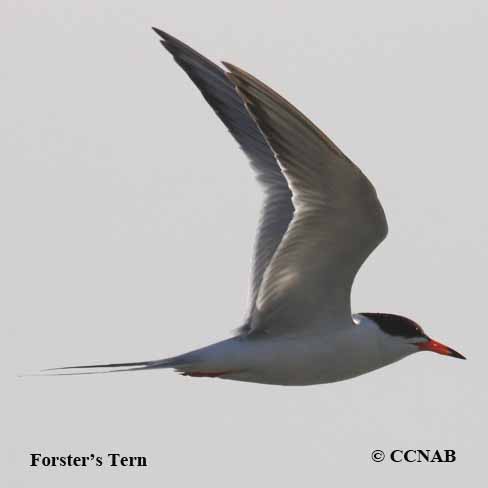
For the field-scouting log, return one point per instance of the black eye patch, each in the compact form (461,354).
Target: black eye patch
(396,325)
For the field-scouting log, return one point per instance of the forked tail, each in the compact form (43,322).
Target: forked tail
(174,362)
(215,360)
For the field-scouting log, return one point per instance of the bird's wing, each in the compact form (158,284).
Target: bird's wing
(219,91)
(338,220)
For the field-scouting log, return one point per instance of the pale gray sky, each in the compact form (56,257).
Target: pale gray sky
(128,216)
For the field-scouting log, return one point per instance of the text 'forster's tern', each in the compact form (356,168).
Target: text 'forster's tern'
(320,221)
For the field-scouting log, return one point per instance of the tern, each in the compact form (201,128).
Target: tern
(321,219)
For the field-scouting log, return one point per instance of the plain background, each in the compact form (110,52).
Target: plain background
(128,217)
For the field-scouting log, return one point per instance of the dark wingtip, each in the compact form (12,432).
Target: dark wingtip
(233,69)
(160,33)
(232,73)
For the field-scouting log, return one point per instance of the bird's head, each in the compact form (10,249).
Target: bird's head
(407,336)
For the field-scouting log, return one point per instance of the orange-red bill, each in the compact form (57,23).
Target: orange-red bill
(439,348)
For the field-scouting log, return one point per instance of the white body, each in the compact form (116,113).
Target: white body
(355,349)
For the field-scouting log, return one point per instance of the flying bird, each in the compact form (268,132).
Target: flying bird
(320,220)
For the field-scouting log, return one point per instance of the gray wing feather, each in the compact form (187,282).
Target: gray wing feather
(338,220)
(220,93)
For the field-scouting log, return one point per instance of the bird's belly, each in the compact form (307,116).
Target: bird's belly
(307,362)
